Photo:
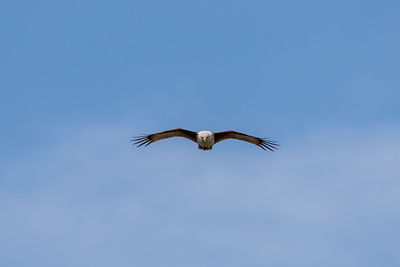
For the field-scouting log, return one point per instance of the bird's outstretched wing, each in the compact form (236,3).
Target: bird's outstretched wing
(151,138)
(261,142)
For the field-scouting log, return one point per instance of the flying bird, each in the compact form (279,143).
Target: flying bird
(204,139)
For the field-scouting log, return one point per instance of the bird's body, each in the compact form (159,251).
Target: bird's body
(205,139)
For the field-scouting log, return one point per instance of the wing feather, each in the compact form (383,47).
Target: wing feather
(264,143)
(151,138)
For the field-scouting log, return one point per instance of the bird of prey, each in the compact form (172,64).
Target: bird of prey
(204,139)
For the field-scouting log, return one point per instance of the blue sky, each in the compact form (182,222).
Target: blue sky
(80,78)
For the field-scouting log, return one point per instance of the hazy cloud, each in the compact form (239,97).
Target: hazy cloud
(328,199)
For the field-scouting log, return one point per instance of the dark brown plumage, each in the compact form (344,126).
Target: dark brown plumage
(205,139)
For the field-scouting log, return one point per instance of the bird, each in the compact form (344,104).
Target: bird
(204,139)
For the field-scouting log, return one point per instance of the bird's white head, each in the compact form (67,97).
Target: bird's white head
(205,139)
